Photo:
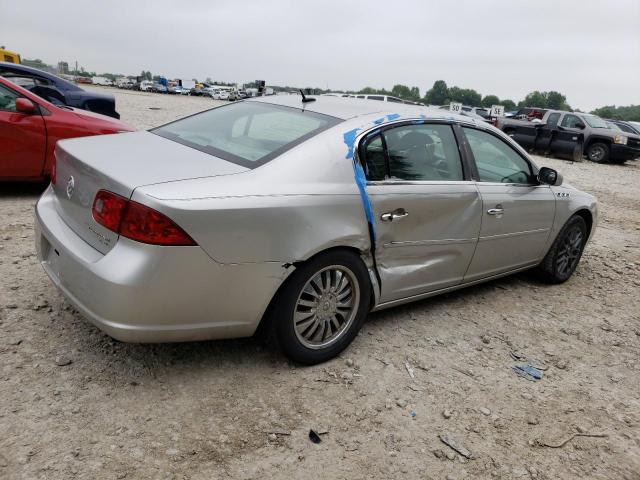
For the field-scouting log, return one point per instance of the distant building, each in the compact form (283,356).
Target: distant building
(63,67)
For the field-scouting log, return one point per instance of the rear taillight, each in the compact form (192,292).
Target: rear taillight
(108,210)
(136,221)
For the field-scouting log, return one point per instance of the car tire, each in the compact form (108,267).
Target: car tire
(565,253)
(321,307)
(598,152)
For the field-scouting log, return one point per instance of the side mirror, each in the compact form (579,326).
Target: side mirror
(549,176)
(26,106)
(580,125)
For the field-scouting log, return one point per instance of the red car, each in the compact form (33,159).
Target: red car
(31,126)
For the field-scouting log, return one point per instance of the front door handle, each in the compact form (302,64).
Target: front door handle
(498,211)
(395,215)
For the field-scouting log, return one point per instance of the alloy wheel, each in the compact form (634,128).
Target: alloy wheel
(596,154)
(326,306)
(569,251)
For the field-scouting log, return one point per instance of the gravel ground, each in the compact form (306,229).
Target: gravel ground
(75,404)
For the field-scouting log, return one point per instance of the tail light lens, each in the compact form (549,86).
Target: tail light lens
(137,222)
(108,210)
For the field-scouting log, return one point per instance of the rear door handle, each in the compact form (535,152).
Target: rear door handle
(496,211)
(395,215)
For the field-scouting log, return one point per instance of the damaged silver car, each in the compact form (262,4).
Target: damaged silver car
(300,215)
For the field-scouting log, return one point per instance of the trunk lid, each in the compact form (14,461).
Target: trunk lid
(120,164)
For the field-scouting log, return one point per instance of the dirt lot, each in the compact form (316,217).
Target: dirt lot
(75,404)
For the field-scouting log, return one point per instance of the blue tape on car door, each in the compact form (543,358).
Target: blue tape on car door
(361,180)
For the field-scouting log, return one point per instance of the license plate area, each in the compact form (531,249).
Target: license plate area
(50,255)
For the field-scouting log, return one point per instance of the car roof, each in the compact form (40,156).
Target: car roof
(23,69)
(345,108)
(25,93)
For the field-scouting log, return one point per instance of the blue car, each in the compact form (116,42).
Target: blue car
(58,90)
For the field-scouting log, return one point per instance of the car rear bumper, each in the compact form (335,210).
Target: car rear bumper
(146,293)
(623,152)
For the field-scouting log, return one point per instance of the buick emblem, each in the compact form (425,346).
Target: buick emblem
(71,184)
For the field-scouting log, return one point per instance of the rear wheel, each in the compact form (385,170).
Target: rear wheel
(565,253)
(598,152)
(321,308)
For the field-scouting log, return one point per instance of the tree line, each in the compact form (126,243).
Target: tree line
(441,94)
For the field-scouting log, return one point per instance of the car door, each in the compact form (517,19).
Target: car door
(517,211)
(22,139)
(427,209)
(567,137)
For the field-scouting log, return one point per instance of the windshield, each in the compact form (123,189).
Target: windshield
(613,126)
(247,133)
(595,122)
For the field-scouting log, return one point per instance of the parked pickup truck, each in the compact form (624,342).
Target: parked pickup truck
(573,135)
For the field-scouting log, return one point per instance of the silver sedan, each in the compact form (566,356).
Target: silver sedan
(298,215)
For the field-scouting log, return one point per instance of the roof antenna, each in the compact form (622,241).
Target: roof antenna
(305,99)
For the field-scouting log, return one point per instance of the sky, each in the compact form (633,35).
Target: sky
(589,50)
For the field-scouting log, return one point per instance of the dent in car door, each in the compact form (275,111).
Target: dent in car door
(517,215)
(427,212)
(432,246)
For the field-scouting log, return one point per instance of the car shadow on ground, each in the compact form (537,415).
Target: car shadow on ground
(22,189)
(168,359)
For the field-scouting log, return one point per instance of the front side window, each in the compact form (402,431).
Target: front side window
(375,97)
(7,99)
(595,122)
(248,133)
(497,161)
(571,121)
(421,152)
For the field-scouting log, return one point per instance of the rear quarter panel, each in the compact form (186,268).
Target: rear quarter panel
(287,210)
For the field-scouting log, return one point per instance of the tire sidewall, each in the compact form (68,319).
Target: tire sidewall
(288,296)
(573,222)
(605,156)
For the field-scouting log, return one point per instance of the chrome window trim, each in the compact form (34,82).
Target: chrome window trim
(374,183)
(513,234)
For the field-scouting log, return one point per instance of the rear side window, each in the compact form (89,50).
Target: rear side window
(247,133)
(497,161)
(552,121)
(375,97)
(424,152)
(376,163)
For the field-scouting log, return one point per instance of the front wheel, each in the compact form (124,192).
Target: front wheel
(598,152)
(565,253)
(322,306)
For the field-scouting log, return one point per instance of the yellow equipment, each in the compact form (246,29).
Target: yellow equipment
(9,56)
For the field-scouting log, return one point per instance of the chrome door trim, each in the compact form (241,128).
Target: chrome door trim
(513,234)
(411,243)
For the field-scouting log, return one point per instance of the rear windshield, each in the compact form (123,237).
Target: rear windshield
(247,133)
